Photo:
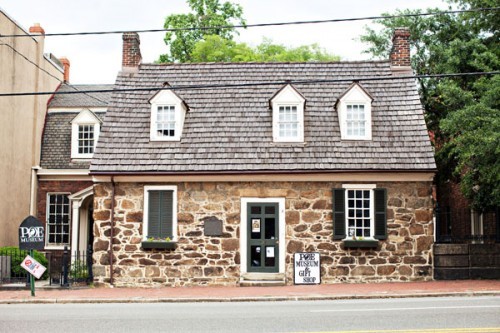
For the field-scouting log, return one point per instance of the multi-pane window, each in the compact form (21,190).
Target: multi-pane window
(85,139)
(356,120)
(165,121)
(58,219)
(288,122)
(359,213)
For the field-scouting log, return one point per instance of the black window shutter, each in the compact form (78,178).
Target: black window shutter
(160,215)
(166,225)
(380,213)
(339,213)
(154,214)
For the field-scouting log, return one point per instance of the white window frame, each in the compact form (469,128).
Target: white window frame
(56,246)
(84,118)
(360,187)
(146,208)
(355,96)
(166,98)
(476,226)
(288,97)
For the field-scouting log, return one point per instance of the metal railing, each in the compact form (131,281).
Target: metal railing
(10,269)
(63,268)
(69,268)
(455,226)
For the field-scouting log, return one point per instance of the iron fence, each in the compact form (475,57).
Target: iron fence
(63,268)
(10,269)
(69,268)
(464,226)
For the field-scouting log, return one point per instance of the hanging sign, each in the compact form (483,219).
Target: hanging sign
(307,268)
(31,234)
(33,267)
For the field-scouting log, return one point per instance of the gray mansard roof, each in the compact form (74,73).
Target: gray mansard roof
(100,99)
(56,140)
(230,129)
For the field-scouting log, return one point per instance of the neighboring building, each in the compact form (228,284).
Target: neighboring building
(65,189)
(467,241)
(24,68)
(221,185)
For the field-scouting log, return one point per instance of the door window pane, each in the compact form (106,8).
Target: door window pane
(270,232)
(270,256)
(255,256)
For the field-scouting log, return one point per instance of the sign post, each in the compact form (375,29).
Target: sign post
(307,268)
(32,237)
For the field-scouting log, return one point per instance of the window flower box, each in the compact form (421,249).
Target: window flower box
(158,245)
(364,244)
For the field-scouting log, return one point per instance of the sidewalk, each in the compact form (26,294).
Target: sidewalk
(234,294)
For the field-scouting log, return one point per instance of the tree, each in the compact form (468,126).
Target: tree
(462,112)
(214,48)
(206,14)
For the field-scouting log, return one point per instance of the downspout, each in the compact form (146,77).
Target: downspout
(112,231)
(33,191)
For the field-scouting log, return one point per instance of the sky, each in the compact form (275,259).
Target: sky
(97,59)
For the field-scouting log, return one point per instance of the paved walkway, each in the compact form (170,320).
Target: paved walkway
(230,294)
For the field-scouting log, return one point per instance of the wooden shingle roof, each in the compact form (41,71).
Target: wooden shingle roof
(56,140)
(230,129)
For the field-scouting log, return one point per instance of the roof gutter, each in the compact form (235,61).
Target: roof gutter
(249,172)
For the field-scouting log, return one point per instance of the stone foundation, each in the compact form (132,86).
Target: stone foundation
(406,255)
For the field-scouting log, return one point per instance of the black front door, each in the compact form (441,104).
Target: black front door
(263,232)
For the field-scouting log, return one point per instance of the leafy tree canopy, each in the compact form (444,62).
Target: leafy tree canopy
(214,48)
(462,112)
(205,14)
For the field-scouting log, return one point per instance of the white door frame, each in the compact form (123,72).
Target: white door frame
(244,228)
(77,200)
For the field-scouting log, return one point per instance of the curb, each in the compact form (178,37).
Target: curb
(241,299)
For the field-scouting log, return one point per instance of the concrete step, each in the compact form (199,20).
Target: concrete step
(262,280)
(262,283)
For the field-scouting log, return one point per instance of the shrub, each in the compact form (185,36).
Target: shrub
(17,257)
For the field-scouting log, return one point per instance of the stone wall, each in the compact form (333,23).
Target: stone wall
(200,260)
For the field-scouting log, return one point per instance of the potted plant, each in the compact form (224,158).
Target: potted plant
(359,241)
(158,243)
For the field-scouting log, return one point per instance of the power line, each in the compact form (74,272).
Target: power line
(255,84)
(262,24)
(31,62)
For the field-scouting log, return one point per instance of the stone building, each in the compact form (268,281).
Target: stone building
(218,173)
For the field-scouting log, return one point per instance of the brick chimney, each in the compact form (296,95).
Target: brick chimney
(400,52)
(37,29)
(131,54)
(65,62)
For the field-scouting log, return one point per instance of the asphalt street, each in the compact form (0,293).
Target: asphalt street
(431,314)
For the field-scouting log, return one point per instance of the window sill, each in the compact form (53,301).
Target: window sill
(159,245)
(365,244)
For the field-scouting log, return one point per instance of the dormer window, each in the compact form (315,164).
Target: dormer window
(288,115)
(85,129)
(165,121)
(354,109)
(167,116)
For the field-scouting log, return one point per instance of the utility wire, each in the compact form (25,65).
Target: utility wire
(255,84)
(88,94)
(244,26)
(31,62)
